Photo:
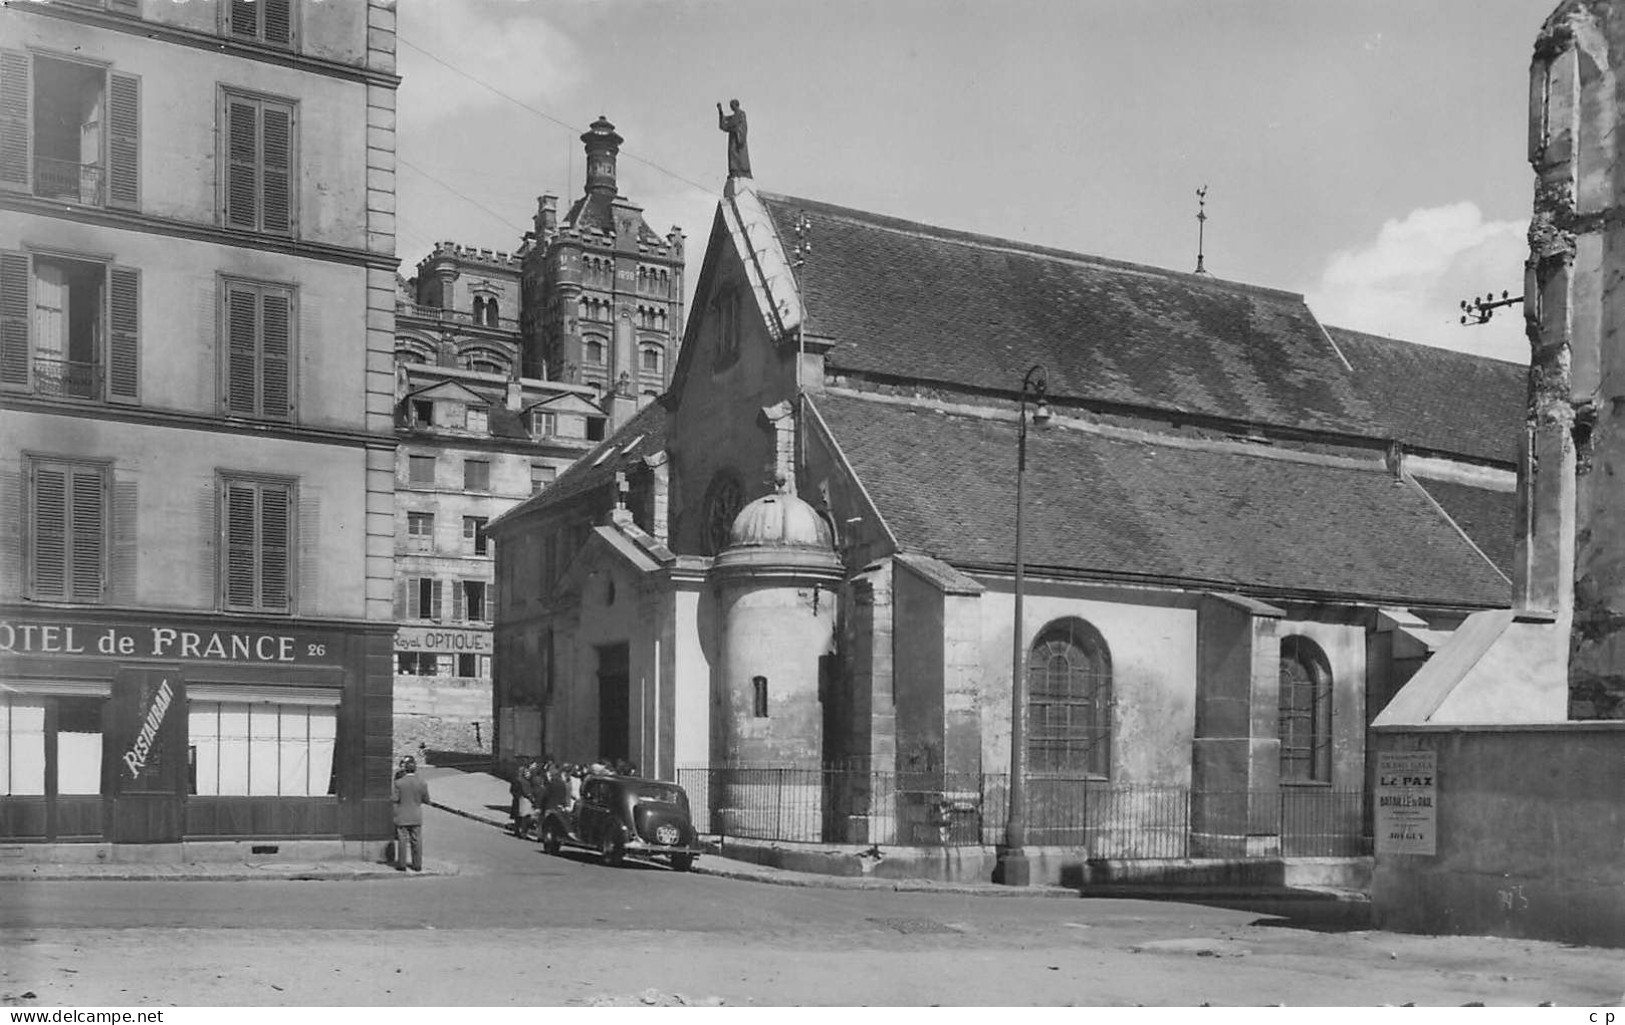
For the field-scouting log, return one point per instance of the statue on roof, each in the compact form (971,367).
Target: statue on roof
(734,125)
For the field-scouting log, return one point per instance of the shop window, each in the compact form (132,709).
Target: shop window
(256,349)
(244,749)
(67,523)
(420,469)
(1305,721)
(256,519)
(22,745)
(1069,702)
(79,745)
(417,663)
(476,475)
(474,538)
(468,665)
(758,697)
(258,145)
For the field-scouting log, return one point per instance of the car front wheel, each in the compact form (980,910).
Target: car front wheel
(682,862)
(611,850)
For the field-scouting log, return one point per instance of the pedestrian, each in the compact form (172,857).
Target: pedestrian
(409,794)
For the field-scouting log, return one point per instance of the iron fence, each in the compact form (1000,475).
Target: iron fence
(943,809)
(67,179)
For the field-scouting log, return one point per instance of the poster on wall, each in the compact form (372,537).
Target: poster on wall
(1407,800)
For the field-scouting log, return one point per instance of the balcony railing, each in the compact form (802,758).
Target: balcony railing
(68,179)
(67,379)
(406,309)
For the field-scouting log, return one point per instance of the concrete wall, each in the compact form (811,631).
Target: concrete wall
(1530,835)
(166,538)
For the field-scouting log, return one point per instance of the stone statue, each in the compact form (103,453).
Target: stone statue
(734,125)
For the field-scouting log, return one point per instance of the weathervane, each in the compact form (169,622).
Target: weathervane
(1479,311)
(1201,226)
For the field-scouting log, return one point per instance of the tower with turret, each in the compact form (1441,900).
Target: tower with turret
(602,292)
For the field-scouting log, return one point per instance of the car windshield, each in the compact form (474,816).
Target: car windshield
(662,794)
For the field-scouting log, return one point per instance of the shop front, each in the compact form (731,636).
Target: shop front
(163,730)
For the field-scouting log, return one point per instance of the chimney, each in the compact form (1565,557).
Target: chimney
(546,221)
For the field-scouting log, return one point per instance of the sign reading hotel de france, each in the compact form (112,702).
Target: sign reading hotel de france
(158,640)
(1407,802)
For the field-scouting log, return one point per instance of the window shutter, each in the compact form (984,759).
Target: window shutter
(88,543)
(242,350)
(50,526)
(14,313)
(414,599)
(124,340)
(244,19)
(274,324)
(123,141)
(242,162)
(16,67)
(459,608)
(403,599)
(240,583)
(275,514)
(278,21)
(275,167)
(436,600)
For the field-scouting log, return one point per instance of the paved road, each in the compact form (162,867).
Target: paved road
(518,927)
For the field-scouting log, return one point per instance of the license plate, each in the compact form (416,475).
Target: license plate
(667,835)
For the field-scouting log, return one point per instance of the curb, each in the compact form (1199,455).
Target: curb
(226,876)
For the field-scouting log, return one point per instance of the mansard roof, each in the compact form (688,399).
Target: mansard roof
(595,211)
(1137,507)
(906,300)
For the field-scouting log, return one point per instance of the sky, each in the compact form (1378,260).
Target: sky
(1368,154)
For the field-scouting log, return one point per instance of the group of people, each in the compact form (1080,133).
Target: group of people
(542,783)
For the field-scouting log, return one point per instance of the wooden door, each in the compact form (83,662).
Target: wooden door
(149,756)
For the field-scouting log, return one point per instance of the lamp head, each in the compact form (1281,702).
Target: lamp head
(1041,411)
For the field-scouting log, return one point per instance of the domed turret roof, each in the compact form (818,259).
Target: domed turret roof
(780,520)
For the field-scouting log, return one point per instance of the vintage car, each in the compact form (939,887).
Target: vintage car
(619,816)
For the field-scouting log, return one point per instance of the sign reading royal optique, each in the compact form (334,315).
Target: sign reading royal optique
(422,638)
(164,640)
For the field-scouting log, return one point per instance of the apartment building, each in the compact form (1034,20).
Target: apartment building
(197,390)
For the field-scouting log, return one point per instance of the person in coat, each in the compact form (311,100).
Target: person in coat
(409,794)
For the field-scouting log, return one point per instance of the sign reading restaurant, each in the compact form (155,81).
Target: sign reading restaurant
(164,641)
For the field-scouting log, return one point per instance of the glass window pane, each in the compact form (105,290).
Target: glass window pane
(203,731)
(26,754)
(233,749)
(262,750)
(293,749)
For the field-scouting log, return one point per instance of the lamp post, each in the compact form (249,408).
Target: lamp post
(1014,868)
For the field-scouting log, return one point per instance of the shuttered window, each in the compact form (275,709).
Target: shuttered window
(423,598)
(68,531)
(257,349)
(263,21)
(257,523)
(90,340)
(258,162)
(69,130)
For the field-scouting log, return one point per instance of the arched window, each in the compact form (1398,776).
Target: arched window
(651,359)
(1069,702)
(491,312)
(1306,712)
(595,351)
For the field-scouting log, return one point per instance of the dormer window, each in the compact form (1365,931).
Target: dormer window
(595,428)
(422,413)
(543,424)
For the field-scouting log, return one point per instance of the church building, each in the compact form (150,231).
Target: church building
(1241,532)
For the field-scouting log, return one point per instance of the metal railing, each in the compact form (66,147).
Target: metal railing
(67,179)
(941,809)
(67,379)
(410,309)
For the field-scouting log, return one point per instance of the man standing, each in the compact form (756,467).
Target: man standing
(409,794)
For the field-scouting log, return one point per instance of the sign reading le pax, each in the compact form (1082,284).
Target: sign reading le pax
(1407,802)
(166,641)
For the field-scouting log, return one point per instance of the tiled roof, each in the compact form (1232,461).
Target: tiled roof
(913,301)
(1159,510)
(596,211)
(1489,517)
(643,435)
(1438,399)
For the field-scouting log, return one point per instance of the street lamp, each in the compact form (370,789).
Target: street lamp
(1014,867)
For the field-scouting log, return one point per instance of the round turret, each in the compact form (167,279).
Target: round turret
(780,520)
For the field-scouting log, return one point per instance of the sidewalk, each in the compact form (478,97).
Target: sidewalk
(215,871)
(479,795)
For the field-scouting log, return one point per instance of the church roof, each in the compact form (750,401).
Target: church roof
(1488,516)
(1135,507)
(1438,399)
(906,300)
(643,435)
